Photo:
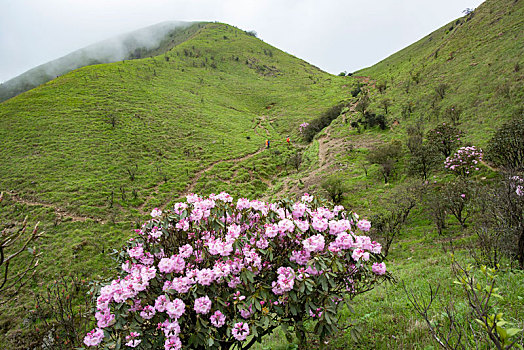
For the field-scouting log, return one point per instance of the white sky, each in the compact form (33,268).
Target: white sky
(335,35)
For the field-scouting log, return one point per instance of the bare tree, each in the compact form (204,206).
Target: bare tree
(13,243)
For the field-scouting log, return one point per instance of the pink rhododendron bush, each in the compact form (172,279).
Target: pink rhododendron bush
(464,161)
(217,273)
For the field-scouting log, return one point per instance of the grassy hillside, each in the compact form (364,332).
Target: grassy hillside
(92,152)
(146,126)
(145,42)
(476,59)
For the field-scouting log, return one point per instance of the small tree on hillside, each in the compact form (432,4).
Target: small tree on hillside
(363,104)
(385,103)
(453,114)
(335,188)
(445,138)
(382,86)
(389,223)
(15,246)
(295,160)
(506,147)
(423,155)
(458,195)
(386,157)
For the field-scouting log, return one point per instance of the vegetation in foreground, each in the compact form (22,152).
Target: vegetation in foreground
(423,222)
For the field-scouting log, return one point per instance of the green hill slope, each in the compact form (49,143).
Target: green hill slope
(89,154)
(477,59)
(134,134)
(145,42)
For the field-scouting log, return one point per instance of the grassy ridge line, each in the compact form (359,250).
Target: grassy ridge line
(175,116)
(132,44)
(477,57)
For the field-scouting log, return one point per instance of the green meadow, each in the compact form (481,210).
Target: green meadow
(91,153)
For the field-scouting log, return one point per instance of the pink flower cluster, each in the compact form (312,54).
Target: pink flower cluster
(303,127)
(204,256)
(464,161)
(518,183)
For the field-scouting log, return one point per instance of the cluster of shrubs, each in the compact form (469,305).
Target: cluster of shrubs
(370,120)
(319,123)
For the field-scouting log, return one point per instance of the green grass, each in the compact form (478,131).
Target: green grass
(476,57)
(172,119)
(205,114)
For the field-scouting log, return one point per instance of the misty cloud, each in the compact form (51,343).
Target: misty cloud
(136,44)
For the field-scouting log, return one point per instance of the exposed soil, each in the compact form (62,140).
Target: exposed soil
(328,148)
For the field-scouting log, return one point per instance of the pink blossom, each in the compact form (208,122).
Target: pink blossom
(185,251)
(364,225)
(205,276)
(301,257)
(240,331)
(173,264)
(170,328)
(136,252)
(132,340)
(271,231)
(314,243)
(161,303)
(307,198)
(182,284)
(360,253)
(285,225)
(243,203)
(298,210)
(173,343)
(320,224)
(234,231)
(218,319)
(104,319)
(156,212)
(202,305)
(302,225)
(176,308)
(344,240)
(246,313)
(148,312)
(378,269)
(94,337)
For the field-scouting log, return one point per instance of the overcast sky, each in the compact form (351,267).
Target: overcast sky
(335,35)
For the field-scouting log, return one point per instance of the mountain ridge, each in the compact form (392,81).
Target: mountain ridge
(144,42)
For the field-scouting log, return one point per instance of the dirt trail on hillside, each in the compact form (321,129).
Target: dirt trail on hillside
(59,212)
(198,175)
(259,125)
(328,147)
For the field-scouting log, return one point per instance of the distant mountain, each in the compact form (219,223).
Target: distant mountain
(131,135)
(145,42)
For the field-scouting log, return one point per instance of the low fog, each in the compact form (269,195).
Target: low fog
(131,45)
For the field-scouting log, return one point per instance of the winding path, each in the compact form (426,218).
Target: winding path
(59,212)
(198,175)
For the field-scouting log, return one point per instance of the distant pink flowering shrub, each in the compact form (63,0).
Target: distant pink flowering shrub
(303,127)
(211,272)
(464,161)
